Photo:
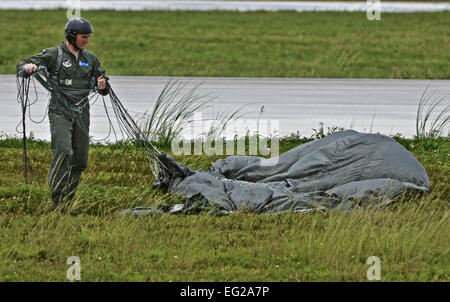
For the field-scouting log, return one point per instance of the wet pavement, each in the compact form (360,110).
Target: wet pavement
(367,105)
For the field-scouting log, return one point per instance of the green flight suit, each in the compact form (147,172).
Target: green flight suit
(69,122)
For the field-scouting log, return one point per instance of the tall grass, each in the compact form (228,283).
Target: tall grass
(431,123)
(174,110)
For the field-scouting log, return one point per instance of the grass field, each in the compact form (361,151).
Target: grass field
(257,44)
(411,237)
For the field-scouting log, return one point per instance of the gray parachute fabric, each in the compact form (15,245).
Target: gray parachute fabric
(344,170)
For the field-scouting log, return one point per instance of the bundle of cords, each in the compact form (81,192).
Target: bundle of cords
(163,167)
(23,88)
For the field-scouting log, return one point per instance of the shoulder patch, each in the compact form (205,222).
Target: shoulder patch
(67,63)
(42,52)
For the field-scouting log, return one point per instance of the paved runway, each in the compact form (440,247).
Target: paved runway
(385,106)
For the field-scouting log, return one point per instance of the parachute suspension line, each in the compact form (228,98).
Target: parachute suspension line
(128,125)
(23,87)
(111,128)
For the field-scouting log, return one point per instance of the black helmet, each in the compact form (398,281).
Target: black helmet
(77,26)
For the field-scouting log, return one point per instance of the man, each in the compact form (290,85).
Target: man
(77,72)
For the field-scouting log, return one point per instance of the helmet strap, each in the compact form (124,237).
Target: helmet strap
(75,45)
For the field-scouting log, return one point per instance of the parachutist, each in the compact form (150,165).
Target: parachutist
(72,75)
